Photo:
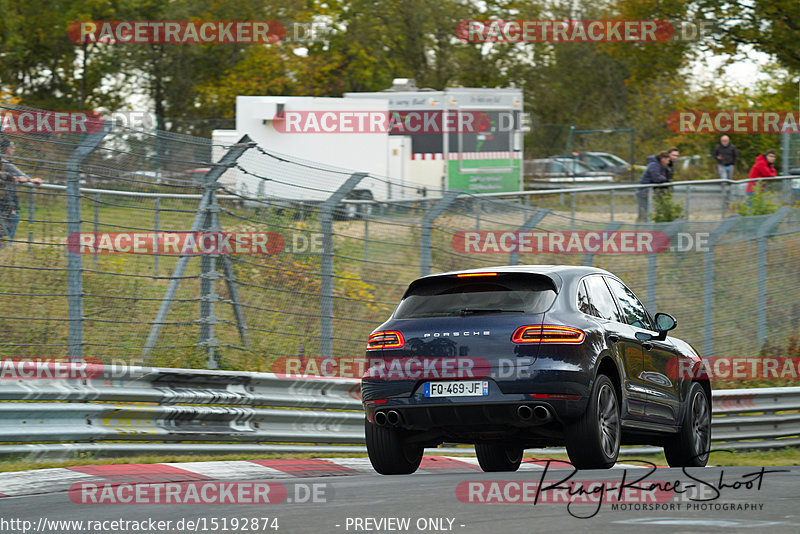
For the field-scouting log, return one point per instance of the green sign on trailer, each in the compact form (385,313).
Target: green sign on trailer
(460,138)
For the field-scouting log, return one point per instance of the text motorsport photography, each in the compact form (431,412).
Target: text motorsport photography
(636,491)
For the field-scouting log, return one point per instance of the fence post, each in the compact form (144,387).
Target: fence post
(326,266)
(572,211)
(688,199)
(96,221)
(156,222)
(529,224)
(785,154)
(708,284)
(208,278)
(588,257)
(761,271)
(31,207)
(652,264)
(74,260)
(366,240)
(200,219)
(724,199)
(611,204)
(425,256)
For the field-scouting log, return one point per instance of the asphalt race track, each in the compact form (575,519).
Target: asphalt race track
(715,499)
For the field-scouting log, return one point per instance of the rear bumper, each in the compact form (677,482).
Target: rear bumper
(495,411)
(477,416)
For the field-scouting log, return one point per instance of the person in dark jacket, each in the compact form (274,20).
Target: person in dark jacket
(726,156)
(655,173)
(10,175)
(764,167)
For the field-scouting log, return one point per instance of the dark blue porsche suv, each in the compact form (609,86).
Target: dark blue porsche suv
(515,357)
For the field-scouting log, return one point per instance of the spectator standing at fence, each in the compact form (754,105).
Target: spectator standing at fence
(10,175)
(764,167)
(726,155)
(673,157)
(655,173)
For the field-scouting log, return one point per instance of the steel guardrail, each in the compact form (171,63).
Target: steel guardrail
(156,407)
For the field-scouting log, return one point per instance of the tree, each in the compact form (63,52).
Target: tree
(770,26)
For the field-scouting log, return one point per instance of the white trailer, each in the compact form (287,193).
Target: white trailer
(273,123)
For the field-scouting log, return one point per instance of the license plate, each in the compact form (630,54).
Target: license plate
(457,388)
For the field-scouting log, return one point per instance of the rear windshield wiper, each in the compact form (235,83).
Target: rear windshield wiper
(469,311)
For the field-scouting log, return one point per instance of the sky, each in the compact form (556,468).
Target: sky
(745,72)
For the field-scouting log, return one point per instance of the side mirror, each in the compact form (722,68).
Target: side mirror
(664,323)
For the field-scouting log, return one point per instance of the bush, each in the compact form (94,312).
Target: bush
(665,209)
(761,203)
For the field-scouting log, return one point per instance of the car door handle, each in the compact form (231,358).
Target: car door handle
(647,346)
(613,338)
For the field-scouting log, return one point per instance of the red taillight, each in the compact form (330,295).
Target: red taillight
(375,402)
(554,396)
(386,340)
(547,334)
(472,275)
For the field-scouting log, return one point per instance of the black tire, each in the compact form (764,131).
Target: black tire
(691,446)
(494,457)
(593,440)
(388,451)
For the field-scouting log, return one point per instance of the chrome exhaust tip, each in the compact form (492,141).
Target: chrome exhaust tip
(393,418)
(380,418)
(542,413)
(524,412)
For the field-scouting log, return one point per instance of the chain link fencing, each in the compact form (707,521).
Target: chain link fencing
(331,267)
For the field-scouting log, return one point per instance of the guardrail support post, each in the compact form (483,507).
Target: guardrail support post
(761,270)
(708,285)
(204,217)
(74,260)
(425,255)
(529,224)
(326,267)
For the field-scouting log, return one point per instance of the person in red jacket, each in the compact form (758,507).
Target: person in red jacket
(764,167)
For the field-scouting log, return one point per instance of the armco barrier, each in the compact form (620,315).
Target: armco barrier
(242,412)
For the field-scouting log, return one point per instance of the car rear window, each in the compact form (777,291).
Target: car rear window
(513,293)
